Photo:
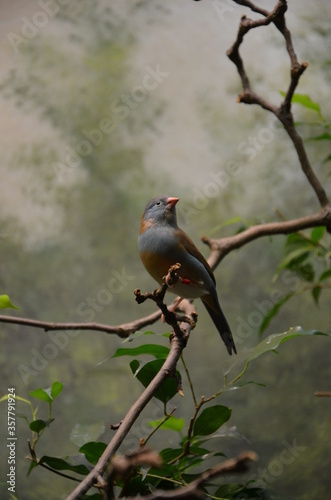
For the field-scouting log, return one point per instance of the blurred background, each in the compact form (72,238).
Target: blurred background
(104,106)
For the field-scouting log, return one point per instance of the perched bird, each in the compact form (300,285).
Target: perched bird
(162,243)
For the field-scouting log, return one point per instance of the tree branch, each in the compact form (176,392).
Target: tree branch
(221,247)
(178,341)
(122,331)
(282,112)
(323,394)
(192,491)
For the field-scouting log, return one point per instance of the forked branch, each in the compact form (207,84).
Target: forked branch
(283,112)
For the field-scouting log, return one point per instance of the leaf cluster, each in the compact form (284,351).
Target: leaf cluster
(199,441)
(307,255)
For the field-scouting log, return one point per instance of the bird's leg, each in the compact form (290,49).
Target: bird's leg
(184,281)
(176,304)
(173,307)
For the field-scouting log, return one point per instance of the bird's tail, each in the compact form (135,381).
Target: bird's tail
(215,312)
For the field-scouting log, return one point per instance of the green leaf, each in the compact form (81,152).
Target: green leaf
(196,457)
(211,419)
(325,275)
(274,311)
(146,374)
(322,137)
(189,462)
(230,490)
(170,454)
(39,425)
(134,365)
(327,158)
(43,394)
(32,466)
(5,303)
(18,398)
(295,262)
(316,292)
(305,101)
(172,424)
(296,240)
(306,271)
(60,464)
(197,450)
(56,389)
(166,471)
(295,257)
(270,343)
(48,394)
(158,351)
(93,451)
(317,234)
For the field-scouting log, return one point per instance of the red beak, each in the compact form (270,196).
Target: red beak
(171,202)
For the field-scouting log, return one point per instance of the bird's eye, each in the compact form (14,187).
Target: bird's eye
(158,203)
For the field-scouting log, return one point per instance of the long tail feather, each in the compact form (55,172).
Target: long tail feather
(220,322)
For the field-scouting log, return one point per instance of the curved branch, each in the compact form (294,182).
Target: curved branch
(220,248)
(282,112)
(122,331)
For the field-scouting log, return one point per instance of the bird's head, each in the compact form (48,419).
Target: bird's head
(160,210)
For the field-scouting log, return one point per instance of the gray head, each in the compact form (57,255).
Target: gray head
(161,209)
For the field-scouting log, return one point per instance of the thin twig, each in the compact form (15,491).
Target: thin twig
(62,474)
(192,491)
(165,418)
(189,381)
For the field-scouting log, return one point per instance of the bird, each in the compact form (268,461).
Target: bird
(161,244)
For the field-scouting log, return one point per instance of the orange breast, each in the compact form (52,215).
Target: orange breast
(156,265)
